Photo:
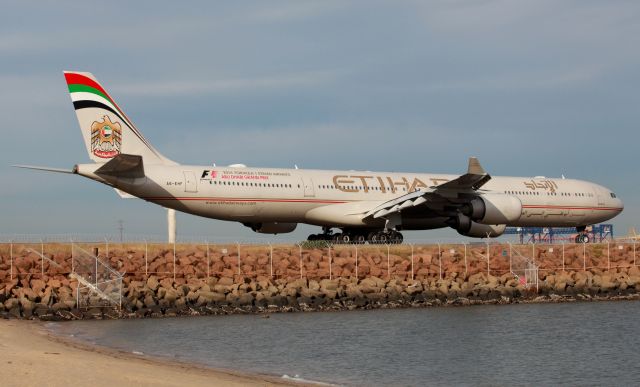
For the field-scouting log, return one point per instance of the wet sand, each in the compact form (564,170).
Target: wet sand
(31,356)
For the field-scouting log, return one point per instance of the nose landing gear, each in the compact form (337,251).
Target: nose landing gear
(583,235)
(583,238)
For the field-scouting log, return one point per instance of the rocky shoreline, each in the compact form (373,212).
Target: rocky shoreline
(55,300)
(247,284)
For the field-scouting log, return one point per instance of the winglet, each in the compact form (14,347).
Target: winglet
(474,167)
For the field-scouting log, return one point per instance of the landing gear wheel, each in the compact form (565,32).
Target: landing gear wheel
(583,238)
(395,237)
(312,237)
(359,239)
(344,238)
(373,238)
(382,237)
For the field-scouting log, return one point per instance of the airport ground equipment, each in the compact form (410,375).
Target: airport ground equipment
(596,233)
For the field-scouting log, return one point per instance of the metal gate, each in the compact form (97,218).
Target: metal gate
(523,268)
(99,285)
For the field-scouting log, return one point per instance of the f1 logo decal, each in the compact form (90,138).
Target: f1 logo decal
(209,174)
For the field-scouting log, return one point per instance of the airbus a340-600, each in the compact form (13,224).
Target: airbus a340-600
(362,206)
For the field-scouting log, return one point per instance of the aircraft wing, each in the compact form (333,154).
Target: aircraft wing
(436,198)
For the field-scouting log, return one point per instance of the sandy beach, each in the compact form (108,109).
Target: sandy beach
(31,356)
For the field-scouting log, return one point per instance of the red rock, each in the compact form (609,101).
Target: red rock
(344,253)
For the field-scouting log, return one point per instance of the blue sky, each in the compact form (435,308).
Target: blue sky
(529,87)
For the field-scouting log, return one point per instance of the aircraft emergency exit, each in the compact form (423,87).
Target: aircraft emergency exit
(362,206)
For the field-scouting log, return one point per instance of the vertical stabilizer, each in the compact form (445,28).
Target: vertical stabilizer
(107,131)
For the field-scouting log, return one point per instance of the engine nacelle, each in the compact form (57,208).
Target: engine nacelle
(477,230)
(272,227)
(493,209)
(467,227)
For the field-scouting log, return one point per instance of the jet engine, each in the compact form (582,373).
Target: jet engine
(272,227)
(467,227)
(493,208)
(478,230)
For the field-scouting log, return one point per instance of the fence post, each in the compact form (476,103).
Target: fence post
(271,260)
(174,261)
(11,259)
(106,243)
(563,256)
(96,273)
(465,259)
(634,252)
(356,262)
(146,259)
(608,257)
(533,252)
(388,264)
(239,262)
(510,260)
(584,257)
(208,261)
(72,260)
(488,258)
(439,261)
(41,258)
(300,249)
(411,261)
(330,265)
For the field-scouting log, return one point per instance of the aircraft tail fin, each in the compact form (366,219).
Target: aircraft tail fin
(107,131)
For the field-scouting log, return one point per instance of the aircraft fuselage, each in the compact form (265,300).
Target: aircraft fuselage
(252,195)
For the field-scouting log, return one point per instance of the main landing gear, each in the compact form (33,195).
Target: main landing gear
(583,235)
(390,237)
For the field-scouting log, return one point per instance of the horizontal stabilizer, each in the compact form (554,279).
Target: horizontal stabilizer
(59,170)
(124,195)
(123,165)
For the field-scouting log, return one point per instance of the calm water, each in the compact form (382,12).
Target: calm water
(544,344)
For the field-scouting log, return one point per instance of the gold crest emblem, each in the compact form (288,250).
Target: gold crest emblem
(106,138)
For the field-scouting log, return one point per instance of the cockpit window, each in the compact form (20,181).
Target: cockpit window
(613,195)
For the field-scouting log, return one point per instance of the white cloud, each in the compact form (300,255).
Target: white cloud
(522,81)
(295,10)
(226,86)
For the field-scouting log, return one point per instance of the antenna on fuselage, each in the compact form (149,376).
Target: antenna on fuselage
(295,166)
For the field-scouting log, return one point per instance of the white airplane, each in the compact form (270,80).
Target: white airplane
(365,206)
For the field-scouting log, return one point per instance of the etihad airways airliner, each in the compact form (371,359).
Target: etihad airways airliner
(362,206)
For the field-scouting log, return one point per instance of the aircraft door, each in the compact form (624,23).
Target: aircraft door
(307,184)
(190,183)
